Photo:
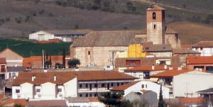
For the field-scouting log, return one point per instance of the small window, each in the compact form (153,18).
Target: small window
(96,85)
(86,85)
(95,95)
(142,86)
(90,95)
(154,26)
(118,84)
(154,16)
(88,52)
(86,95)
(102,85)
(80,95)
(17,91)
(59,89)
(111,84)
(80,85)
(38,90)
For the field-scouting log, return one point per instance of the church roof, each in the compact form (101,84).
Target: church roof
(107,38)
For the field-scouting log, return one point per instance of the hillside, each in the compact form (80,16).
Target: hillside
(18,18)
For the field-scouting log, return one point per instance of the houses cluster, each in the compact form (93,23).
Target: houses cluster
(137,64)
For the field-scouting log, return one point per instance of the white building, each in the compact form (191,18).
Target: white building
(63,35)
(139,86)
(204,47)
(43,86)
(189,83)
(60,85)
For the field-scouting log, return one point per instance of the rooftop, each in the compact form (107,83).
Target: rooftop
(146,68)
(199,60)
(123,87)
(170,73)
(203,44)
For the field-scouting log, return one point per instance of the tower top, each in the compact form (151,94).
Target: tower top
(155,7)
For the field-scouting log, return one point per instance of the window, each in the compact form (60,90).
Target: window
(3,68)
(80,95)
(80,85)
(122,83)
(38,90)
(154,26)
(102,85)
(111,84)
(17,91)
(59,89)
(96,85)
(88,52)
(142,86)
(154,16)
(86,85)
(118,84)
(86,95)
(90,95)
(90,86)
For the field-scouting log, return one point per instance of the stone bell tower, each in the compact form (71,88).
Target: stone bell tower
(155,24)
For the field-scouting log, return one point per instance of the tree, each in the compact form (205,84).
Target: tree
(111,99)
(73,63)
(161,102)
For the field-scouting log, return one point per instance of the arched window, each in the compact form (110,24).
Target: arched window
(154,16)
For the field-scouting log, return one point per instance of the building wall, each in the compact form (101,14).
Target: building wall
(204,51)
(41,36)
(161,54)
(12,58)
(191,83)
(97,56)
(147,85)
(70,88)
(155,27)
(48,90)
(173,40)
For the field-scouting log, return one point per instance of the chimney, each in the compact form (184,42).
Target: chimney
(165,66)
(33,78)
(153,67)
(54,78)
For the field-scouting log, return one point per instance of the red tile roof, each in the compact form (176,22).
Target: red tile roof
(102,75)
(42,77)
(62,77)
(123,87)
(170,73)
(196,100)
(146,68)
(11,102)
(199,60)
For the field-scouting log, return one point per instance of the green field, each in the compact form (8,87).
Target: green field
(29,48)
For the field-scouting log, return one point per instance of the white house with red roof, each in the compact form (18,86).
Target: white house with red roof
(141,86)
(59,85)
(204,47)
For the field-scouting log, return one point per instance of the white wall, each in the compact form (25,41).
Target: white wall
(70,88)
(204,51)
(41,35)
(14,94)
(26,90)
(148,85)
(191,83)
(48,90)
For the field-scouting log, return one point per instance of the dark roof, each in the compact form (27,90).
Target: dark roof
(15,69)
(158,48)
(184,51)
(67,32)
(107,38)
(206,91)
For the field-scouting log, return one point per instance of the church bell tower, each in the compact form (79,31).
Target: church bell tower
(155,24)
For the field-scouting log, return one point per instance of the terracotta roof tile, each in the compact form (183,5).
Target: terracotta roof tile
(196,100)
(62,77)
(123,87)
(146,68)
(170,73)
(199,60)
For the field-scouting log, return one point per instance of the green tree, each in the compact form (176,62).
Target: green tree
(73,63)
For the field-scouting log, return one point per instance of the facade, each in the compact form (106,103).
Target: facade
(202,63)
(63,35)
(188,84)
(44,85)
(140,86)
(60,85)
(12,58)
(12,72)
(156,25)
(204,47)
